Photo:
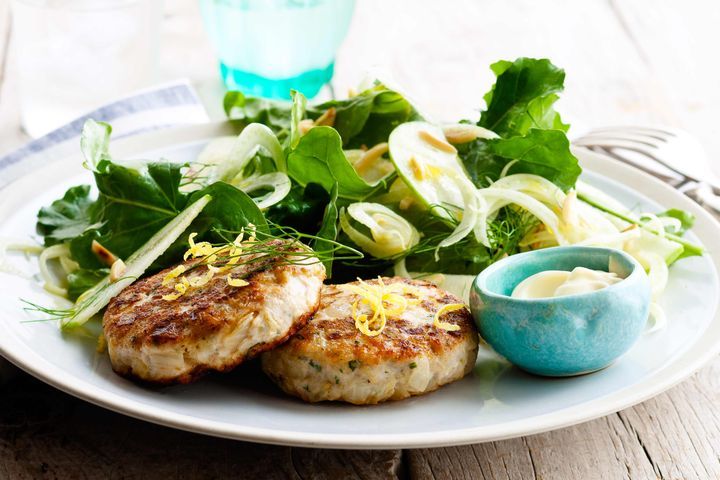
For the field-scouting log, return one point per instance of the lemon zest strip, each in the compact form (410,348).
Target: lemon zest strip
(450,307)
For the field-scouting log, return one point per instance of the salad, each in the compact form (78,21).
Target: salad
(367,182)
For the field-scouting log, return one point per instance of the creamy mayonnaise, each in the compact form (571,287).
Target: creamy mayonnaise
(557,283)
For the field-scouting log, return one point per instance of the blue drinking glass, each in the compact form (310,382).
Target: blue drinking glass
(267,47)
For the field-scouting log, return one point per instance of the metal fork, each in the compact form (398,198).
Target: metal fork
(670,154)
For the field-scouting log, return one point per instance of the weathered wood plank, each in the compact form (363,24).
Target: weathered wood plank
(673,436)
(680,431)
(47,434)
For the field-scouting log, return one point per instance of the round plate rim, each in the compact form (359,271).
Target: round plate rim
(666,377)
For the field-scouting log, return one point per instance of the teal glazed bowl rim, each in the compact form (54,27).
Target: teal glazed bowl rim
(632,273)
(567,335)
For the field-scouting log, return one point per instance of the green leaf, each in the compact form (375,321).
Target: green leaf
(220,221)
(540,152)
(365,119)
(67,217)
(328,231)
(319,158)
(467,257)
(687,220)
(230,210)
(94,143)
(523,97)
(302,208)
(272,113)
(84,279)
(369,117)
(132,205)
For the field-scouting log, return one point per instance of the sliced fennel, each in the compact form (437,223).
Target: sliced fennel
(649,243)
(499,197)
(95,299)
(52,283)
(391,233)
(16,245)
(473,204)
(278,183)
(251,140)
(429,171)
(688,248)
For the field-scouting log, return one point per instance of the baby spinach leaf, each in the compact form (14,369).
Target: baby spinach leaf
(328,231)
(84,279)
(369,117)
(523,97)
(132,205)
(230,210)
(540,152)
(67,217)
(365,119)
(302,208)
(95,143)
(221,220)
(272,113)
(467,257)
(319,158)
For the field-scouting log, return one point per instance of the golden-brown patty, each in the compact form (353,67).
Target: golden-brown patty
(213,327)
(330,359)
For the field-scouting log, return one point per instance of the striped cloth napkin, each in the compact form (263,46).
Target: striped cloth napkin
(163,106)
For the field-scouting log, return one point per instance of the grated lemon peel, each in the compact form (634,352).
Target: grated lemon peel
(387,301)
(450,307)
(209,254)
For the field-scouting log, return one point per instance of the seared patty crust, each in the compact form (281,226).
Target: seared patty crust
(330,359)
(214,327)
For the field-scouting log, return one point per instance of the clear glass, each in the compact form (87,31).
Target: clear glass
(74,55)
(267,47)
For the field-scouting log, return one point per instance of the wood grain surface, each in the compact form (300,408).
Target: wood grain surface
(639,61)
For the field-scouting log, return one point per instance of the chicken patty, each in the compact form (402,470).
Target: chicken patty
(216,326)
(331,359)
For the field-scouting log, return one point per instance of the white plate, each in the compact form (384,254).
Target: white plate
(494,402)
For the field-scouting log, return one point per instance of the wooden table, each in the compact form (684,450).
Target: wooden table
(627,62)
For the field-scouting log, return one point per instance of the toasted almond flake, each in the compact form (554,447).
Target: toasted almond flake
(441,145)
(105,255)
(117,270)
(406,203)
(304,126)
(370,157)
(327,119)
(466,132)
(417,169)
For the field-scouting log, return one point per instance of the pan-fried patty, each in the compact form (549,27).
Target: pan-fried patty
(212,327)
(330,359)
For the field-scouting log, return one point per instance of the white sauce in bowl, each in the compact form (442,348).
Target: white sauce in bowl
(559,283)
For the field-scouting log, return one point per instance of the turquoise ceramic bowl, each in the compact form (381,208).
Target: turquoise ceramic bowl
(568,335)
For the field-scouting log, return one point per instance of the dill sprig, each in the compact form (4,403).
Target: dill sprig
(507,230)
(259,250)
